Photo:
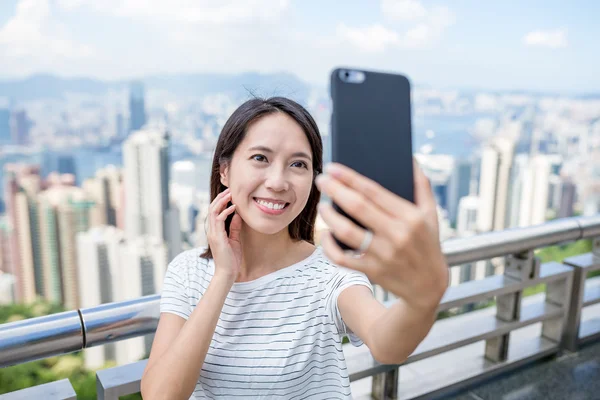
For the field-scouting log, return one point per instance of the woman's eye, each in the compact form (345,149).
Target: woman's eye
(259,157)
(300,164)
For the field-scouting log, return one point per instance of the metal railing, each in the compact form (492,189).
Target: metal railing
(489,341)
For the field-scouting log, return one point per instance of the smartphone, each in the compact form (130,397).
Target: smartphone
(371,129)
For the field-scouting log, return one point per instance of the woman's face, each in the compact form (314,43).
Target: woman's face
(270,174)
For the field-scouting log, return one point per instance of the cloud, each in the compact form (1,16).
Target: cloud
(430,29)
(185,11)
(375,38)
(415,26)
(551,39)
(32,37)
(403,9)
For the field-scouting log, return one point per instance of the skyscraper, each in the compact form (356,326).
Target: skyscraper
(64,212)
(534,196)
(148,210)
(99,275)
(5,137)
(567,200)
(137,108)
(458,186)
(143,265)
(104,189)
(114,269)
(23,183)
(20,127)
(66,165)
(516,185)
(7,288)
(5,230)
(466,224)
(494,180)
(120,131)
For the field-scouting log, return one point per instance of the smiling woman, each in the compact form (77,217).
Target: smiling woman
(261,312)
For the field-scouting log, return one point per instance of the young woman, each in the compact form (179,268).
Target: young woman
(261,312)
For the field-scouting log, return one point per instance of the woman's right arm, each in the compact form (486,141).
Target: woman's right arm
(180,346)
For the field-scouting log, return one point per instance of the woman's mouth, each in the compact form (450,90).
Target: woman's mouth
(271,207)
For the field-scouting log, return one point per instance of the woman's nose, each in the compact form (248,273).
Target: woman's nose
(276,180)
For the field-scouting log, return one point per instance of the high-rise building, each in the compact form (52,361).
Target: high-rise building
(496,163)
(7,288)
(567,200)
(516,185)
(99,275)
(5,231)
(555,183)
(64,212)
(137,108)
(145,259)
(466,223)
(66,165)
(120,130)
(148,210)
(591,204)
(5,136)
(20,127)
(458,186)
(534,196)
(182,186)
(114,269)
(22,186)
(104,189)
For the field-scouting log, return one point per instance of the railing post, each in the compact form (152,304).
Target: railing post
(571,337)
(559,293)
(522,266)
(385,386)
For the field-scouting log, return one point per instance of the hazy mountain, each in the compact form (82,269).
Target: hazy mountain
(240,85)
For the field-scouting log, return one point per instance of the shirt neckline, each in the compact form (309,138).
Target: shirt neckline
(253,284)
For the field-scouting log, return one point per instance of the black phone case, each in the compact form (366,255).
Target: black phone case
(371,131)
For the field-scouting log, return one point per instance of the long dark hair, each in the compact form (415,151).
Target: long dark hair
(234,131)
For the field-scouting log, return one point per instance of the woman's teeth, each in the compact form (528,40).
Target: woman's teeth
(271,205)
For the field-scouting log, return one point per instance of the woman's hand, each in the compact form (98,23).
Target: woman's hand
(404,256)
(226,251)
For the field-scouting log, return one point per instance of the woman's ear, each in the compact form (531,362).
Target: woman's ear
(224,172)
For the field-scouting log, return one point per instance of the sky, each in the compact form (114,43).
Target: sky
(537,45)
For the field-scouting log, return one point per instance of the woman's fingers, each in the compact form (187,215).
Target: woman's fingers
(424,197)
(351,234)
(387,201)
(216,209)
(352,202)
(225,213)
(342,258)
(217,202)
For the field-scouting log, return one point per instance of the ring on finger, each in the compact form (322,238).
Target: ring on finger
(364,246)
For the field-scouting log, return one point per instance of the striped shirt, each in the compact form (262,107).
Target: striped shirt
(278,337)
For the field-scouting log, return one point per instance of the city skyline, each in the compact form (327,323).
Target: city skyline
(538,46)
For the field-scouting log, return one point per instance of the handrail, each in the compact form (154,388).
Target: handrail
(46,336)
(517,240)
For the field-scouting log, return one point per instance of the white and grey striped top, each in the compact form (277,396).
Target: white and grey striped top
(278,337)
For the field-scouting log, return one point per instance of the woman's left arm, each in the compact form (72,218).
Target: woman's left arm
(404,257)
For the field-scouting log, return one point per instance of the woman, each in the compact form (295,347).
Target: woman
(261,312)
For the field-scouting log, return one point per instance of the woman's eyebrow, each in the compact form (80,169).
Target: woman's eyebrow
(268,150)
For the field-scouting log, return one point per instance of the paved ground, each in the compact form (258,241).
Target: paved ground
(574,376)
